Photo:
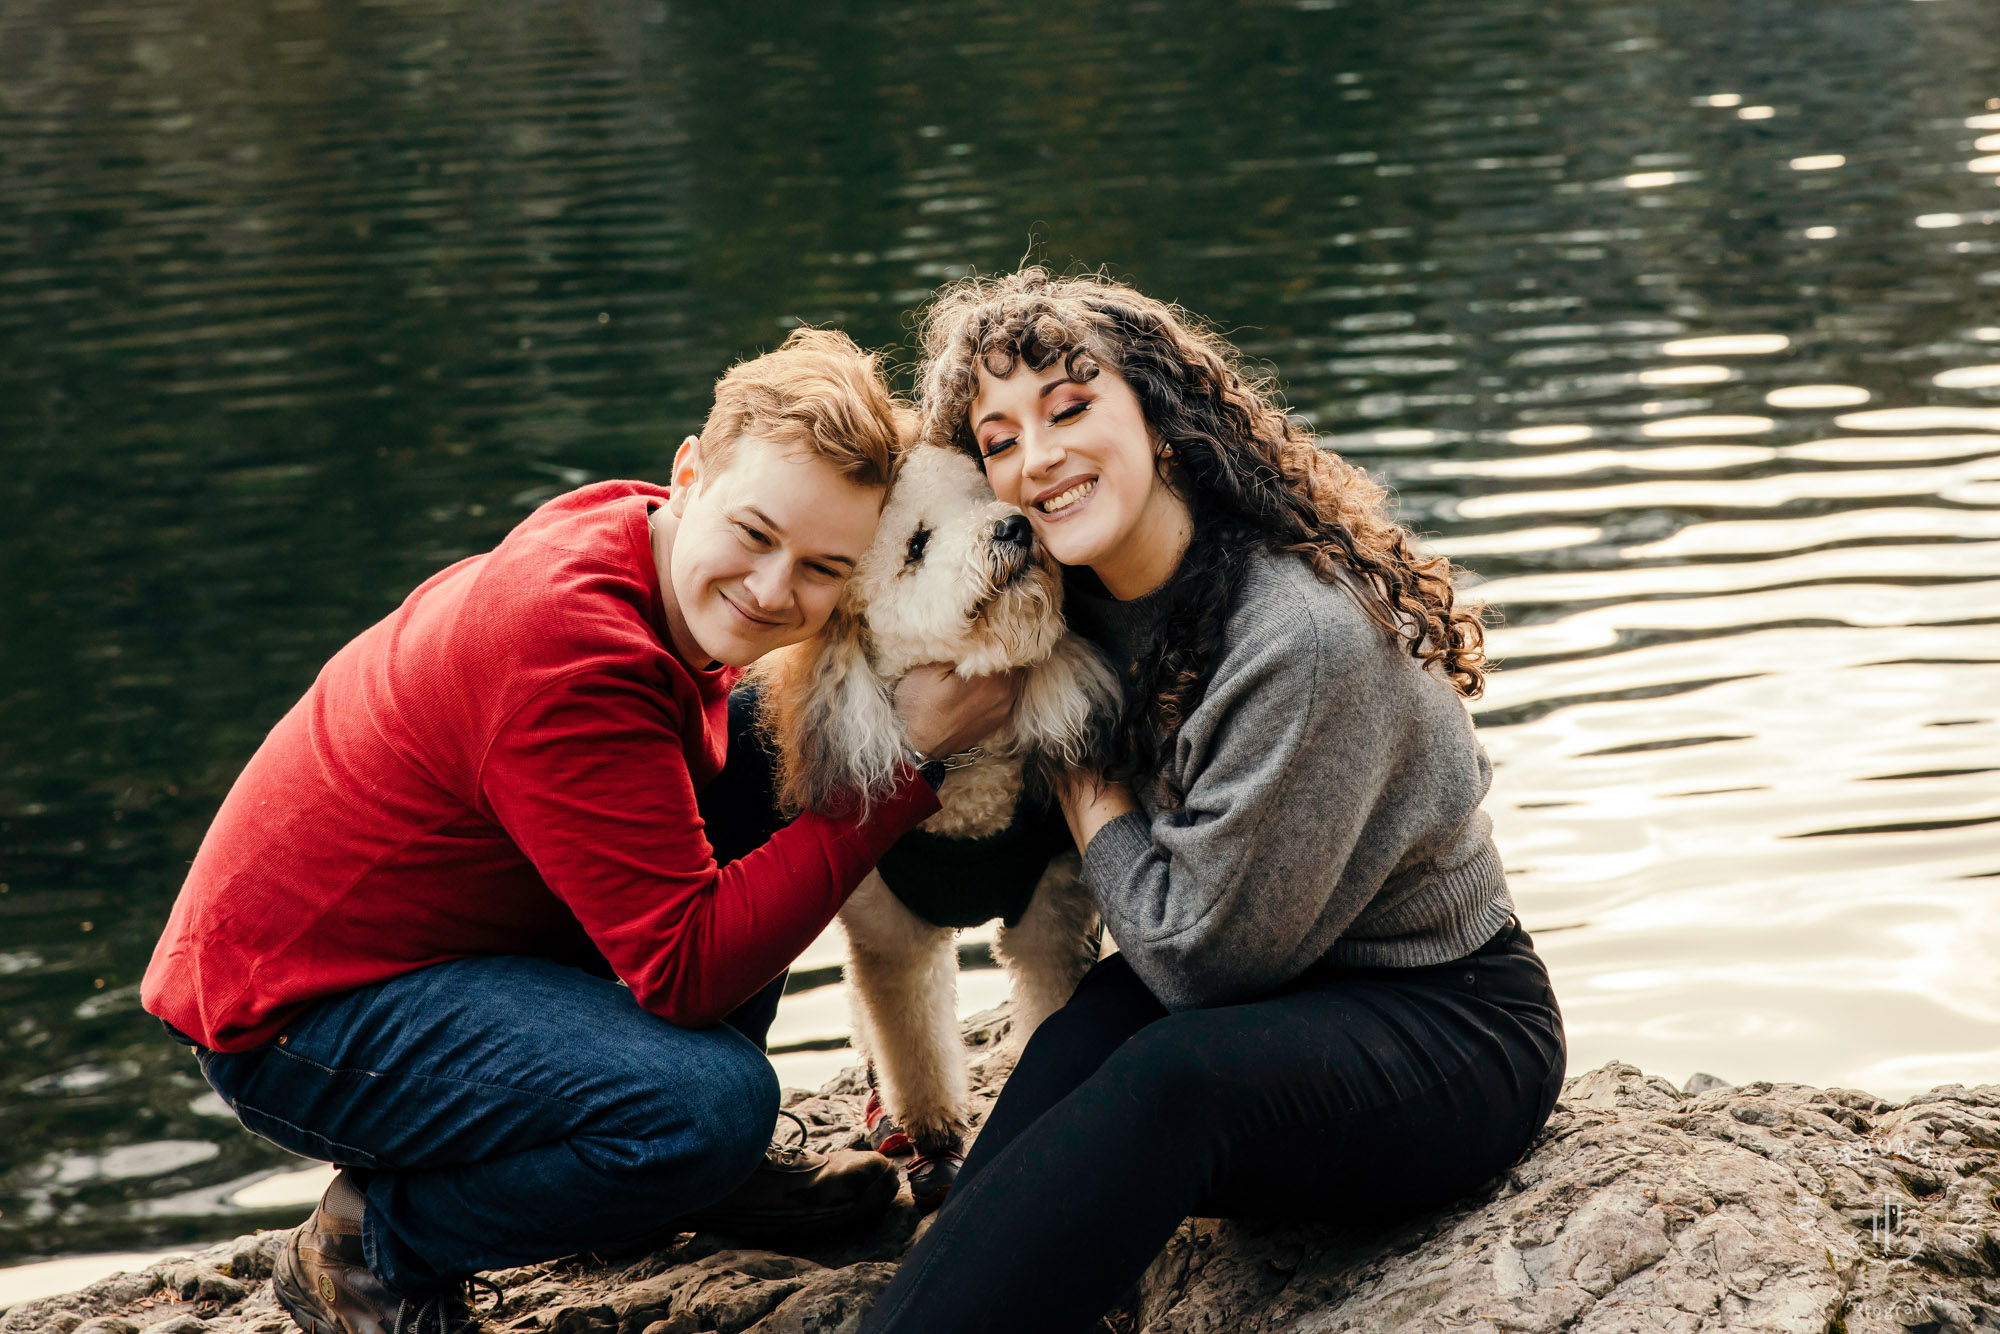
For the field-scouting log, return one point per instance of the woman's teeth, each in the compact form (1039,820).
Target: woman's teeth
(1068,498)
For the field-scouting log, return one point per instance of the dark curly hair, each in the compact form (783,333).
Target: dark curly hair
(1250,473)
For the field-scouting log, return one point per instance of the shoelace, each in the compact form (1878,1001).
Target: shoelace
(447,1311)
(784,1155)
(797,1120)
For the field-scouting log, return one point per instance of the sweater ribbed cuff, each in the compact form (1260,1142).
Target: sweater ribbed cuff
(1117,846)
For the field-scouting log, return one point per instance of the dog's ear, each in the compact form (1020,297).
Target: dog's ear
(1067,712)
(830,718)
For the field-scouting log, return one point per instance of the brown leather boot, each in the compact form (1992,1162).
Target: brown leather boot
(325,1285)
(796,1194)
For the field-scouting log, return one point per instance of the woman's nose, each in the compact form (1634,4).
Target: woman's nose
(1039,452)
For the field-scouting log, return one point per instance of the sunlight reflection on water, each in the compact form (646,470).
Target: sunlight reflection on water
(1848,778)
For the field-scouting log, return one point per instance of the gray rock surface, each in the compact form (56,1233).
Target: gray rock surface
(1643,1208)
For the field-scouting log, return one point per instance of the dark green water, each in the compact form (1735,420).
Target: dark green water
(300,301)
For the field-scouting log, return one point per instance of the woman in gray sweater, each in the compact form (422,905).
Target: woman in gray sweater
(1322,1005)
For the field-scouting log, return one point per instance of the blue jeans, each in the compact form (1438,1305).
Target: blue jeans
(502,1110)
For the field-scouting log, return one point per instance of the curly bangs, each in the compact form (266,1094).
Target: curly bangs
(996,325)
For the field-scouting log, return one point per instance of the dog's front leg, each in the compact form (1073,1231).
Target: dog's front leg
(1050,949)
(902,976)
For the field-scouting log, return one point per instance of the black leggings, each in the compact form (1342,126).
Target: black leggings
(1360,1094)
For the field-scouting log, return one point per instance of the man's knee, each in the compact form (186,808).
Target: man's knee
(714,1136)
(740,1117)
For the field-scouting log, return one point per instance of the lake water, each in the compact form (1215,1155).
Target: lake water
(1678,323)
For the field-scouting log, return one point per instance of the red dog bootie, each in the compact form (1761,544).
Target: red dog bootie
(933,1172)
(930,1168)
(884,1135)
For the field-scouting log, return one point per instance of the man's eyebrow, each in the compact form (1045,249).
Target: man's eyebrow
(778,530)
(1046,390)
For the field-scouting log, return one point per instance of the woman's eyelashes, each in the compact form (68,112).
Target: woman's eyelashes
(1064,415)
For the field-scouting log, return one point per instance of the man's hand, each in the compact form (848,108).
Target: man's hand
(943,713)
(1090,802)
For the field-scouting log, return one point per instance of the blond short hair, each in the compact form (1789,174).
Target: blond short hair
(818,394)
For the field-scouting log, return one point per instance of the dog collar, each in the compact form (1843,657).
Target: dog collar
(934,770)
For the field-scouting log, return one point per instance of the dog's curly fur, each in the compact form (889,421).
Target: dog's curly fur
(947,579)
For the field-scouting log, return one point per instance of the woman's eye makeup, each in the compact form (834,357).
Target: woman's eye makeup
(753,534)
(1068,412)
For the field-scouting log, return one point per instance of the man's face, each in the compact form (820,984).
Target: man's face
(761,549)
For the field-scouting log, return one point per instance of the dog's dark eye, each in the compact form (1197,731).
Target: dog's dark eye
(918,541)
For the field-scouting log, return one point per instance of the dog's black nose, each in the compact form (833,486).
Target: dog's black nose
(1015,530)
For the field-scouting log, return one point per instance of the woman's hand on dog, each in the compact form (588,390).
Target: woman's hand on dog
(943,713)
(1091,801)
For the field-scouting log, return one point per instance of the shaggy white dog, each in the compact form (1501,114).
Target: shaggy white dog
(952,576)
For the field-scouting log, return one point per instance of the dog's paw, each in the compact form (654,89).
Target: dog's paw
(930,1159)
(883,1134)
(933,1171)
(932,1177)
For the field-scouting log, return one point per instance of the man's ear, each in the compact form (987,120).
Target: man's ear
(686,475)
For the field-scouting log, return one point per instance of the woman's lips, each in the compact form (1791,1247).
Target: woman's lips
(1087,484)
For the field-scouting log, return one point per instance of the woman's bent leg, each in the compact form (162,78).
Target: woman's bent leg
(499,1111)
(1358,1099)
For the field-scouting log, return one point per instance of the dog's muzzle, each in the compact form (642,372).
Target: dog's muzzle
(1012,549)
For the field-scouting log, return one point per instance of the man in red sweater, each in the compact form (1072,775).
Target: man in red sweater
(401,945)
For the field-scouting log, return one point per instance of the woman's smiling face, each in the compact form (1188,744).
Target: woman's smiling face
(1078,459)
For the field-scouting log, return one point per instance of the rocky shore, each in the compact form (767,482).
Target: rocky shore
(1642,1208)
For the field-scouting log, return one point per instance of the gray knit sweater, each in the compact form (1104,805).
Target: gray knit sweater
(1333,788)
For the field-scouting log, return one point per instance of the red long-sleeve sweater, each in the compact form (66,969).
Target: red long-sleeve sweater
(507,764)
